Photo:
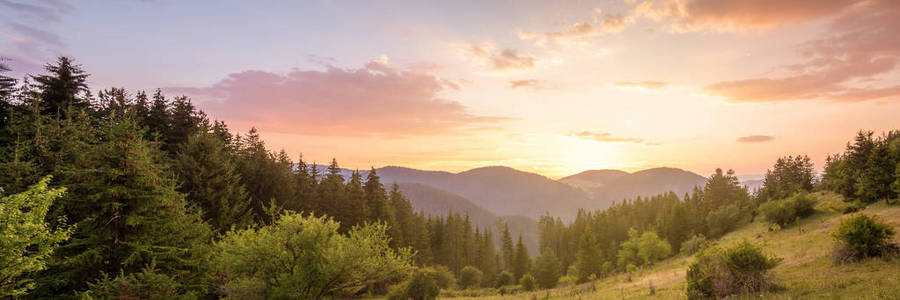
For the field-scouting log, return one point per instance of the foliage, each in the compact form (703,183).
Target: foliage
(27,240)
(790,174)
(527,282)
(786,211)
(642,249)
(547,269)
(305,257)
(147,284)
(469,277)
(860,236)
(421,285)
(522,263)
(867,170)
(694,244)
(718,273)
(588,257)
(505,278)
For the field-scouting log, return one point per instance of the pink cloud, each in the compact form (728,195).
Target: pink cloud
(730,15)
(605,137)
(533,83)
(755,138)
(650,85)
(848,64)
(503,60)
(373,100)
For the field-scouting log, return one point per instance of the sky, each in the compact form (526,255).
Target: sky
(551,87)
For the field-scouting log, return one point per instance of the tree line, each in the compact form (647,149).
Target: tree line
(151,182)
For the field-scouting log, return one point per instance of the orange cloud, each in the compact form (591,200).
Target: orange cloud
(524,83)
(849,64)
(755,138)
(502,60)
(650,85)
(605,137)
(736,15)
(374,100)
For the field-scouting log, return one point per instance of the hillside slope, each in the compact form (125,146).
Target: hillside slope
(608,186)
(434,201)
(805,273)
(501,190)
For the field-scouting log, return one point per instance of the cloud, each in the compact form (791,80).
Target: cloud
(605,137)
(738,15)
(650,85)
(30,34)
(375,100)
(755,138)
(524,83)
(503,60)
(848,64)
(44,10)
(610,23)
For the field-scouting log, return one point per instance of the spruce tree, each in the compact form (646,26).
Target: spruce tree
(128,215)
(185,120)
(209,179)
(354,207)
(159,118)
(589,257)
(332,194)
(506,247)
(64,90)
(404,216)
(522,264)
(376,200)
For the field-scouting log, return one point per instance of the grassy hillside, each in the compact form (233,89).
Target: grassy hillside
(806,272)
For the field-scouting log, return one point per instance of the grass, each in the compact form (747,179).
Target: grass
(807,270)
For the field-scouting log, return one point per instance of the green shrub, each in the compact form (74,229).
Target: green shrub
(423,284)
(505,278)
(527,282)
(718,272)
(469,276)
(694,244)
(148,284)
(546,269)
(509,289)
(784,212)
(442,276)
(861,236)
(568,280)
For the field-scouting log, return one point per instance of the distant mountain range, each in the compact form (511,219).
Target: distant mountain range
(608,186)
(519,198)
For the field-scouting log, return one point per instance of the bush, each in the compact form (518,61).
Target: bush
(469,276)
(694,244)
(509,289)
(148,284)
(442,276)
(421,285)
(568,280)
(505,278)
(527,282)
(306,257)
(784,212)
(720,272)
(861,236)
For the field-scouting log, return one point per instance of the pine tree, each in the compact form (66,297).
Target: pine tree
(184,121)
(404,216)
(522,264)
(305,189)
(209,179)
(159,118)
(354,207)
(506,247)
(589,257)
(875,180)
(331,193)
(488,263)
(547,269)
(64,90)
(376,201)
(7,88)
(128,215)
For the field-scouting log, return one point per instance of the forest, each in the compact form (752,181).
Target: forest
(140,195)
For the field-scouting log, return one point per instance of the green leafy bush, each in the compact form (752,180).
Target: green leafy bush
(694,244)
(469,276)
(718,272)
(546,269)
(505,278)
(861,236)
(784,212)
(442,276)
(306,257)
(527,282)
(421,285)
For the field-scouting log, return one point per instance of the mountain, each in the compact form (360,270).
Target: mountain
(500,190)
(434,201)
(608,186)
(591,179)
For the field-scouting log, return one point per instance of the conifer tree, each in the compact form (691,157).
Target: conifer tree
(404,216)
(331,193)
(128,215)
(376,201)
(547,269)
(64,90)
(305,188)
(158,117)
(209,179)
(354,207)
(589,257)
(522,264)
(506,247)
(184,121)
